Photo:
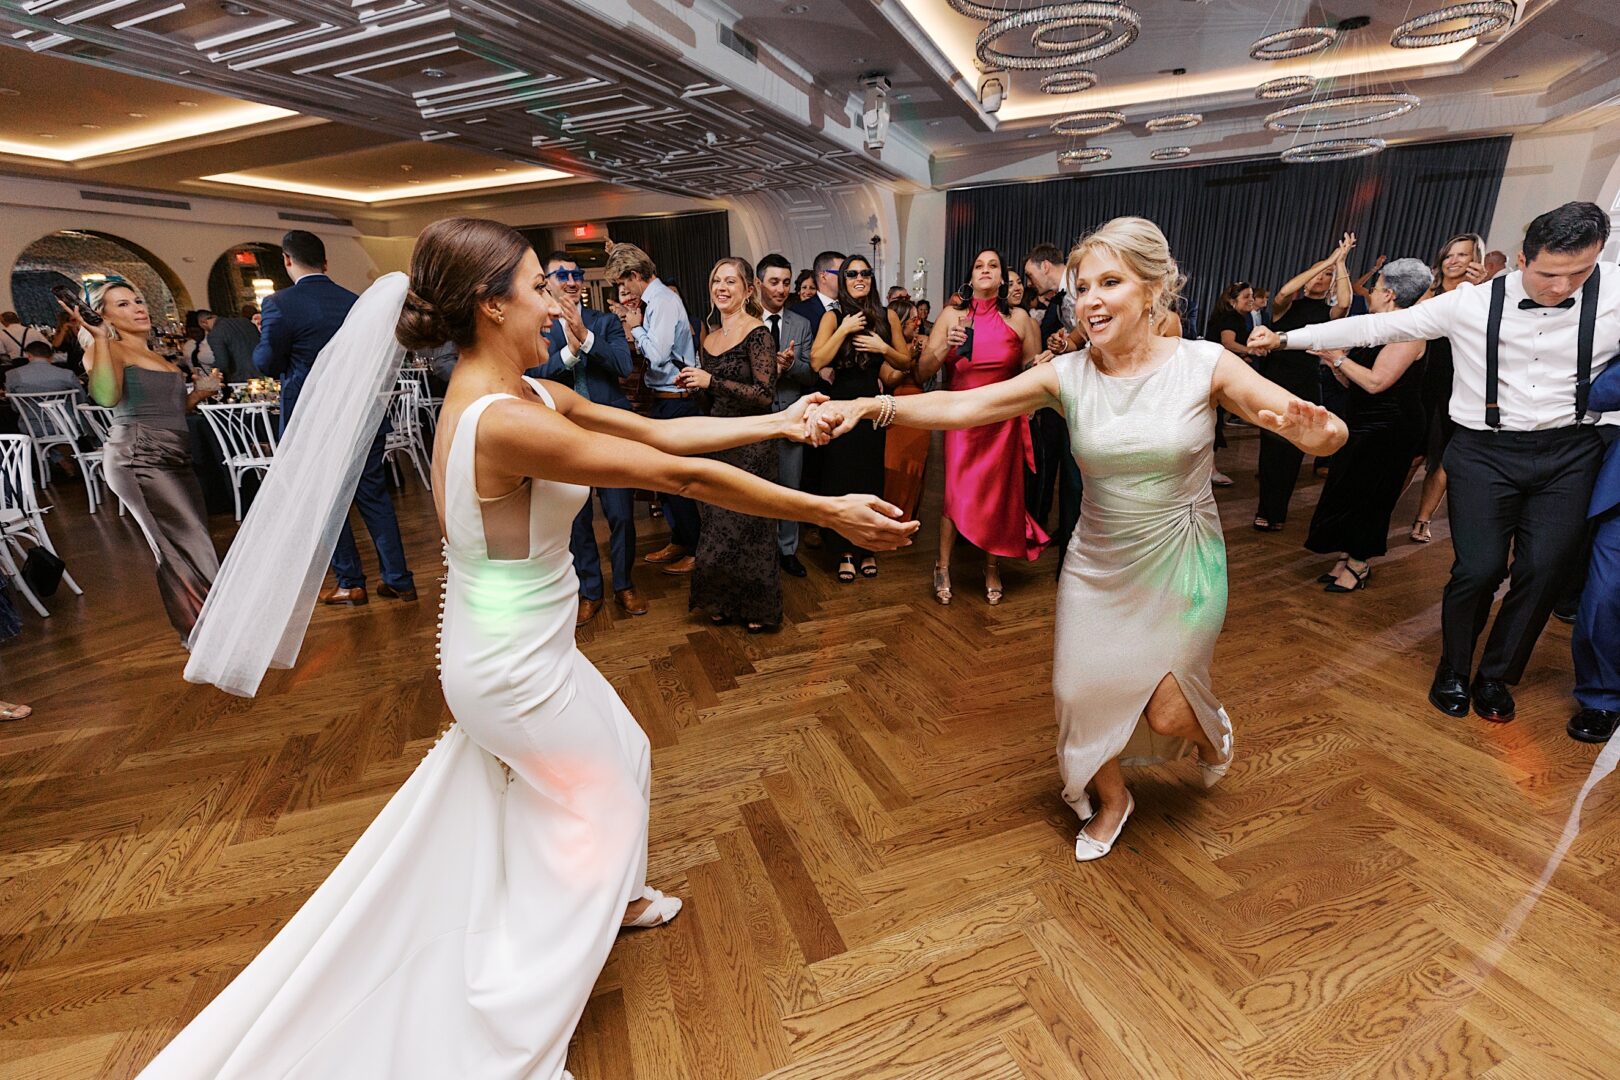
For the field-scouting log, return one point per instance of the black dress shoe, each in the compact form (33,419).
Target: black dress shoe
(1492,701)
(1593,725)
(792,565)
(1567,613)
(1448,692)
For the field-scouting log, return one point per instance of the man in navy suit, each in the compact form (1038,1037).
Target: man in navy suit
(296,324)
(1597,629)
(589,352)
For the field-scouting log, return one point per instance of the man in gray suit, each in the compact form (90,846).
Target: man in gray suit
(794,335)
(233,342)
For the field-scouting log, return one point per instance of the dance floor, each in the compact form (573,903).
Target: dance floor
(862,815)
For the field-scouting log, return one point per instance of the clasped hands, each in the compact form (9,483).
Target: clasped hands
(817,420)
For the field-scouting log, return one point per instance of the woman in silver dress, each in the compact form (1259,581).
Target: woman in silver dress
(148,454)
(1143,591)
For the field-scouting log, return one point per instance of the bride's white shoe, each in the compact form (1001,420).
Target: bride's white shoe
(1212,773)
(1087,848)
(661,910)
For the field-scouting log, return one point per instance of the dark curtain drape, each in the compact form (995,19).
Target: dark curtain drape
(684,247)
(1256,221)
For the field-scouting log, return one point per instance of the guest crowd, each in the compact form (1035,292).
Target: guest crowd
(1498,388)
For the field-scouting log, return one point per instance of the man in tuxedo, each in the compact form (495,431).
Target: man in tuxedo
(1596,643)
(588,351)
(234,342)
(793,336)
(298,322)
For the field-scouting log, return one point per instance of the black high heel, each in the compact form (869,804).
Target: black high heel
(1361,577)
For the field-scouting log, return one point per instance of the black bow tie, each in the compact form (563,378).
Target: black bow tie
(1528,304)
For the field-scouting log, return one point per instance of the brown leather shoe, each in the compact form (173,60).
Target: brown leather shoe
(391,593)
(352,597)
(680,566)
(587,611)
(667,554)
(630,601)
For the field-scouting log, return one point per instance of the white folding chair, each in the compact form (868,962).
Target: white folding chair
(247,440)
(21,516)
(96,422)
(426,404)
(47,426)
(406,438)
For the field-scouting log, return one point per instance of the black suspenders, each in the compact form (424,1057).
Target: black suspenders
(1583,353)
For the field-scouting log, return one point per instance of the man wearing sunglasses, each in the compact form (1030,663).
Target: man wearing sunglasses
(588,351)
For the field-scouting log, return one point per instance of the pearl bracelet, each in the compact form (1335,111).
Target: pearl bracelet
(886,411)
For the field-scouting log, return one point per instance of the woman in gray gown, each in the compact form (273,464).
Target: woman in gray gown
(148,455)
(1143,592)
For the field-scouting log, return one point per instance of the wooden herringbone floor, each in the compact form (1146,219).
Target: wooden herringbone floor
(862,814)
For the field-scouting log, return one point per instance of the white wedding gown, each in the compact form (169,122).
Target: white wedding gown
(460,938)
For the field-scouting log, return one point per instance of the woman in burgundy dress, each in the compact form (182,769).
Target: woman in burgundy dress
(982,340)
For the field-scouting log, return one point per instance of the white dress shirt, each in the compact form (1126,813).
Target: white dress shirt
(664,337)
(570,358)
(13,338)
(1535,361)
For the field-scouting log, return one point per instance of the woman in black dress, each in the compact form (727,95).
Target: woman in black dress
(856,340)
(1314,296)
(736,575)
(1460,261)
(1384,411)
(1229,328)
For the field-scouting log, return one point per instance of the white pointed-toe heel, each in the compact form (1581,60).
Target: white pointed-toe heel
(661,910)
(1212,774)
(1087,848)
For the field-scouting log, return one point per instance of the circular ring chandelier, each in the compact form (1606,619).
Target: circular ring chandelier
(979,11)
(1287,44)
(1084,155)
(1304,115)
(1122,21)
(1068,81)
(1332,150)
(1088,123)
(1045,36)
(1174,122)
(1171,153)
(1477,17)
(1286,87)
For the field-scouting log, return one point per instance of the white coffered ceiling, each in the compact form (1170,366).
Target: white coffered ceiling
(708,98)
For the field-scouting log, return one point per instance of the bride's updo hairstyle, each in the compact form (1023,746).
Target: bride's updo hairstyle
(1143,251)
(457,263)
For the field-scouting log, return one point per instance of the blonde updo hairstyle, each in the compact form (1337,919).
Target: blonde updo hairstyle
(97,299)
(1144,253)
(457,264)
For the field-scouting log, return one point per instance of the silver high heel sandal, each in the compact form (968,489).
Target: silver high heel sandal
(1088,849)
(1212,774)
(942,584)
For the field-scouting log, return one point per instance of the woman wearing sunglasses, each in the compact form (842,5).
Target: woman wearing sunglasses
(864,345)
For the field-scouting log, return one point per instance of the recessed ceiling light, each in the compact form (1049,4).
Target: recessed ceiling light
(500,170)
(796,9)
(374,187)
(136,115)
(859,60)
(455,176)
(187,104)
(935,123)
(413,181)
(1505,78)
(91,127)
(234,9)
(44,135)
(435,73)
(6,91)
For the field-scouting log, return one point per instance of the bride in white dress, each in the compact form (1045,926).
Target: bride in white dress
(461,936)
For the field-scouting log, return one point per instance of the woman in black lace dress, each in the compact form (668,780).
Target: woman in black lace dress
(736,577)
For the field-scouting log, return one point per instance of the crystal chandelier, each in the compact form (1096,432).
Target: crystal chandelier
(1088,123)
(1286,87)
(1332,150)
(1305,115)
(1084,155)
(1477,17)
(1068,81)
(1170,153)
(1113,25)
(1174,122)
(1287,44)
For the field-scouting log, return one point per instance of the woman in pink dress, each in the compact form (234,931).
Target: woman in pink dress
(982,340)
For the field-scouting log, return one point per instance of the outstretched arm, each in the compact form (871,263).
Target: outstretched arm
(946,410)
(684,435)
(1420,322)
(1390,364)
(518,439)
(1241,390)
